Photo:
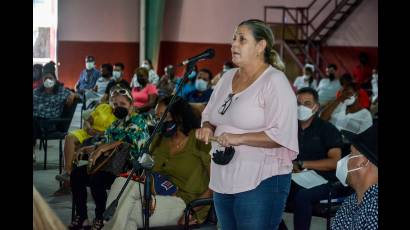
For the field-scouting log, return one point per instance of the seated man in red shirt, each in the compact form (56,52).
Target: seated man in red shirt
(363,97)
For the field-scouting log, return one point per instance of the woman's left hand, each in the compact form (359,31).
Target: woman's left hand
(229,139)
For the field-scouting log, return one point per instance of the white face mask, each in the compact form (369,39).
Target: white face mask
(342,170)
(201,85)
(116,74)
(304,113)
(144,65)
(89,65)
(49,83)
(350,100)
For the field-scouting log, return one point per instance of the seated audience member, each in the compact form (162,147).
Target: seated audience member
(43,215)
(88,77)
(37,73)
(374,108)
(362,95)
(319,150)
(129,128)
(307,80)
(96,124)
(184,160)
(145,95)
(362,73)
(375,85)
(153,77)
(117,80)
(328,86)
(101,85)
(189,86)
(359,170)
(346,113)
(226,66)
(166,85)
(203,89)
(48,101)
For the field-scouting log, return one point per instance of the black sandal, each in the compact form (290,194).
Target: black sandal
(97,224)
(77,224)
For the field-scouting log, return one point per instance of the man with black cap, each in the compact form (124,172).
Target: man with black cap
(88,76)
(359,169)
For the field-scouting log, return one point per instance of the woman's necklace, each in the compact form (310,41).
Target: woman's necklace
(176,146)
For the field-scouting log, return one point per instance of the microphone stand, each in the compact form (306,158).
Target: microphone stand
(145,161)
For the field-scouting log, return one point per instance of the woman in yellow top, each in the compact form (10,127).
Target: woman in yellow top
(99,120)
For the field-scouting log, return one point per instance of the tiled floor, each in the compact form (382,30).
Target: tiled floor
(46,185)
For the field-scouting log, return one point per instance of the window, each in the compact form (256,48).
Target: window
(44,31)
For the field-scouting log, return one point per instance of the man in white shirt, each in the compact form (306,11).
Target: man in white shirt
(346,113)
(328,86)
(100,86)
(307,80)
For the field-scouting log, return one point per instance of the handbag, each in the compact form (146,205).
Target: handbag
(160,184)
(113,160)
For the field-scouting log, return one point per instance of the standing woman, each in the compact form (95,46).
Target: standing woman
(253,108)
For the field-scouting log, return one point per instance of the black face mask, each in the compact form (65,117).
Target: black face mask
(223,157)
(142,81)
(169,128)
(120,112)
(332,77)
(105,75)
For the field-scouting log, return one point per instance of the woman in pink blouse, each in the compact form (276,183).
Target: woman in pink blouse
(145,95)
(253,108)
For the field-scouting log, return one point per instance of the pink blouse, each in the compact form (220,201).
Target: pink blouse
(141,95)
(268,105)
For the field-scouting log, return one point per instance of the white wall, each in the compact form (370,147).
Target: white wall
(213,21)
(98,20)
(201,21)
(360,28)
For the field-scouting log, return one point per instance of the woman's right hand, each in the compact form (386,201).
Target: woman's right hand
(204,133)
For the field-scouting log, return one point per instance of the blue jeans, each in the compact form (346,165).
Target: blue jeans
(260,208)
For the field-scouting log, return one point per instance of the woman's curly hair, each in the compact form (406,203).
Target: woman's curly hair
(182,113)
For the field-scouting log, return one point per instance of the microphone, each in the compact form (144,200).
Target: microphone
(207,54)
(146,161)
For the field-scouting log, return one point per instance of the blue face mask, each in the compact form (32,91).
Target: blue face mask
(169,128)
(201,85)
(192,75)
